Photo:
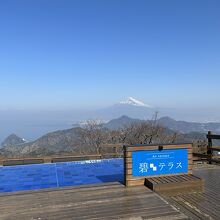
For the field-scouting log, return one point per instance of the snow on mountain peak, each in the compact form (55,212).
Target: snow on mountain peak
(135,102)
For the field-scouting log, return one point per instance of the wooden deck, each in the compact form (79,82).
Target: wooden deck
(201,205)
(114,201)
(111,201)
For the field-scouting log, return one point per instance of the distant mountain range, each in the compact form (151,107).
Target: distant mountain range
(167,122)
(135,108)
(191,130)
(187,127)
(67,140)
(34,124)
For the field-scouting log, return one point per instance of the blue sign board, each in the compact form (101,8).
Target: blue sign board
(155,162)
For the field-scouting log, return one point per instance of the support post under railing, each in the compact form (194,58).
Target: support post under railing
(209,151)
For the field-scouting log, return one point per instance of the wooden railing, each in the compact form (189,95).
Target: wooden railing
(210,148)
(116,151)
(108,151)
(52,159)
(209,156)
(111,151)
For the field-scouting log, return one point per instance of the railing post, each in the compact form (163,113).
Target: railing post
(100,152)
(116,151)
(209,151)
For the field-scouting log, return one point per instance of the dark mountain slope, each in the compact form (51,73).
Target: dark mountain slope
(12,140)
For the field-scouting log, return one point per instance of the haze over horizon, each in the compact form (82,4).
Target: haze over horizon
(31,124)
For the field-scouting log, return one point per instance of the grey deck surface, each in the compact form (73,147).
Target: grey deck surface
(201,205)
(114,201)
(111,201)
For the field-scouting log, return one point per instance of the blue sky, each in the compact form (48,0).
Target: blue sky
(93,53)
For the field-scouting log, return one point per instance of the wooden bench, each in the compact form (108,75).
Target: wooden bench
(174,185)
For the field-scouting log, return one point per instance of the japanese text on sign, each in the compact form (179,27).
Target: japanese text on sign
(155,162)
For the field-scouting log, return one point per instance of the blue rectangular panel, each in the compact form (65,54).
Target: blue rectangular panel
(42,176)
(155,162)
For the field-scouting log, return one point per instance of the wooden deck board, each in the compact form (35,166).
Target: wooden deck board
(96,202)
(201,205)
(114,201)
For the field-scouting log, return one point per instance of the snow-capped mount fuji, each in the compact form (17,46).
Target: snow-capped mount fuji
(130,107)
(135,102)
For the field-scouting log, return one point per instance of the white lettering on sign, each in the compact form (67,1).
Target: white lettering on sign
(154,162)
(179,165)
(161,156)
(170,165)
(143,168)
(162,165)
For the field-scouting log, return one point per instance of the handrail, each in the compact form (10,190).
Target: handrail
(115,153)
(210,149)
(23,161)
